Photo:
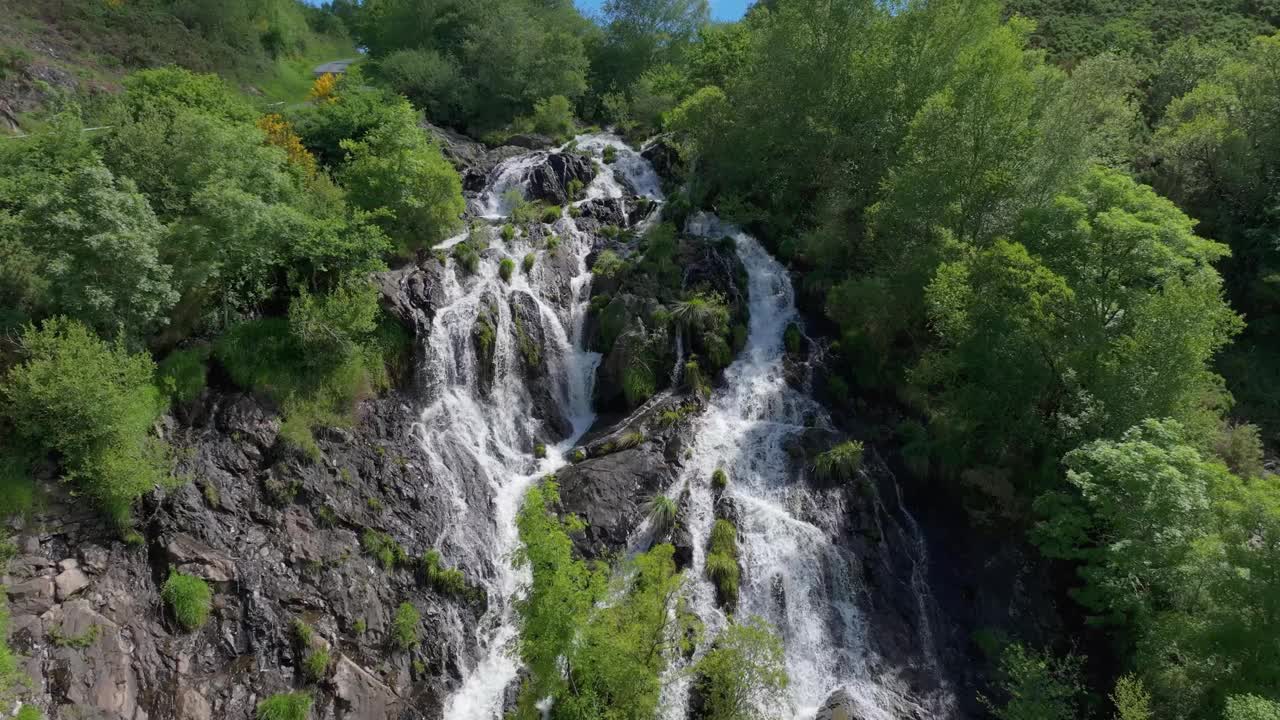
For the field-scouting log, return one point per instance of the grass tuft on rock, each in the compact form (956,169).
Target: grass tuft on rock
(285,706)
(404,628)
(840,463)
(189,597)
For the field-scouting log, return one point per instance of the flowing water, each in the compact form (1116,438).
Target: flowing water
(794,575)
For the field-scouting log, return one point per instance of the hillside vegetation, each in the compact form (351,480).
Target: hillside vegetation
(1039,238)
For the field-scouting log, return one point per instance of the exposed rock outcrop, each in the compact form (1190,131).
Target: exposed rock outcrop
(609,493)
(549,181)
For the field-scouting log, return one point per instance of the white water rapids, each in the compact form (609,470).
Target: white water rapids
(794,575)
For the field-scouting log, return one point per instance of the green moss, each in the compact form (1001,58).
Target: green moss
(540,451)
(719,479)
(360,626)
(285,706)
(722,562)
(579,455)
(528,348)
(405,626)
(189,597)
(81,641)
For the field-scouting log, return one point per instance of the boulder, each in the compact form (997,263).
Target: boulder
(663,155)
(360,695)
(609,493)
(69,582)
(840,706)
(549,180)
(92,670)
(31,597)
(531,141)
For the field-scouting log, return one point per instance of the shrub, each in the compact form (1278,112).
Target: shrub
(553,116)
(841,462)
(540,451)
(527,265)
(719,479)
(285,706)
(744,675)
(404,628)
(383,547)
(92,403)
(508,232)
(610,154)
(189,597)
(608,264)
(662,514)
(1038,686)
(722,562)
(506,268)
(550,214)
(182,375)
(466,256)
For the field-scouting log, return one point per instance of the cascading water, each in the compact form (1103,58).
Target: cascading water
(793,574)
(471,431)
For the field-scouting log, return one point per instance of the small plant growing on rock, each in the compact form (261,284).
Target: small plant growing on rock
(719,479)
(467,256)
(553,241)
(285,706)
(628,440)
(575,189)
(669,418)
(404,629)
(506,268)
(527,265)
(508,232)
(579,455)
(575,211)
(446,580)
(840,463)
(540,451)
(316,664)
(383,547)
(662,514)
(189,597)
(550,214)
(610,154)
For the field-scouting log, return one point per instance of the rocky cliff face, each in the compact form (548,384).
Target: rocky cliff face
(279,540)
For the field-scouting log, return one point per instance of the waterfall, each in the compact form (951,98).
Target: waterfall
(477,438)
(793,572)
(479,442)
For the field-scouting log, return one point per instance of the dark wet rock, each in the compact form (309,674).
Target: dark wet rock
(605,211)
(532,348)
(412,293)
(609,493)
(531,141)
(663,155)
(549,181)
(484,334)
(840,706)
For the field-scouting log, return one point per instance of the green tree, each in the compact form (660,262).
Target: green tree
(397,168)
(92,403)
(1134,516)
(98,247)
(743,676)
(1037,686)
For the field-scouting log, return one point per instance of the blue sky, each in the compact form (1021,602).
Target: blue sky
(720,9)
